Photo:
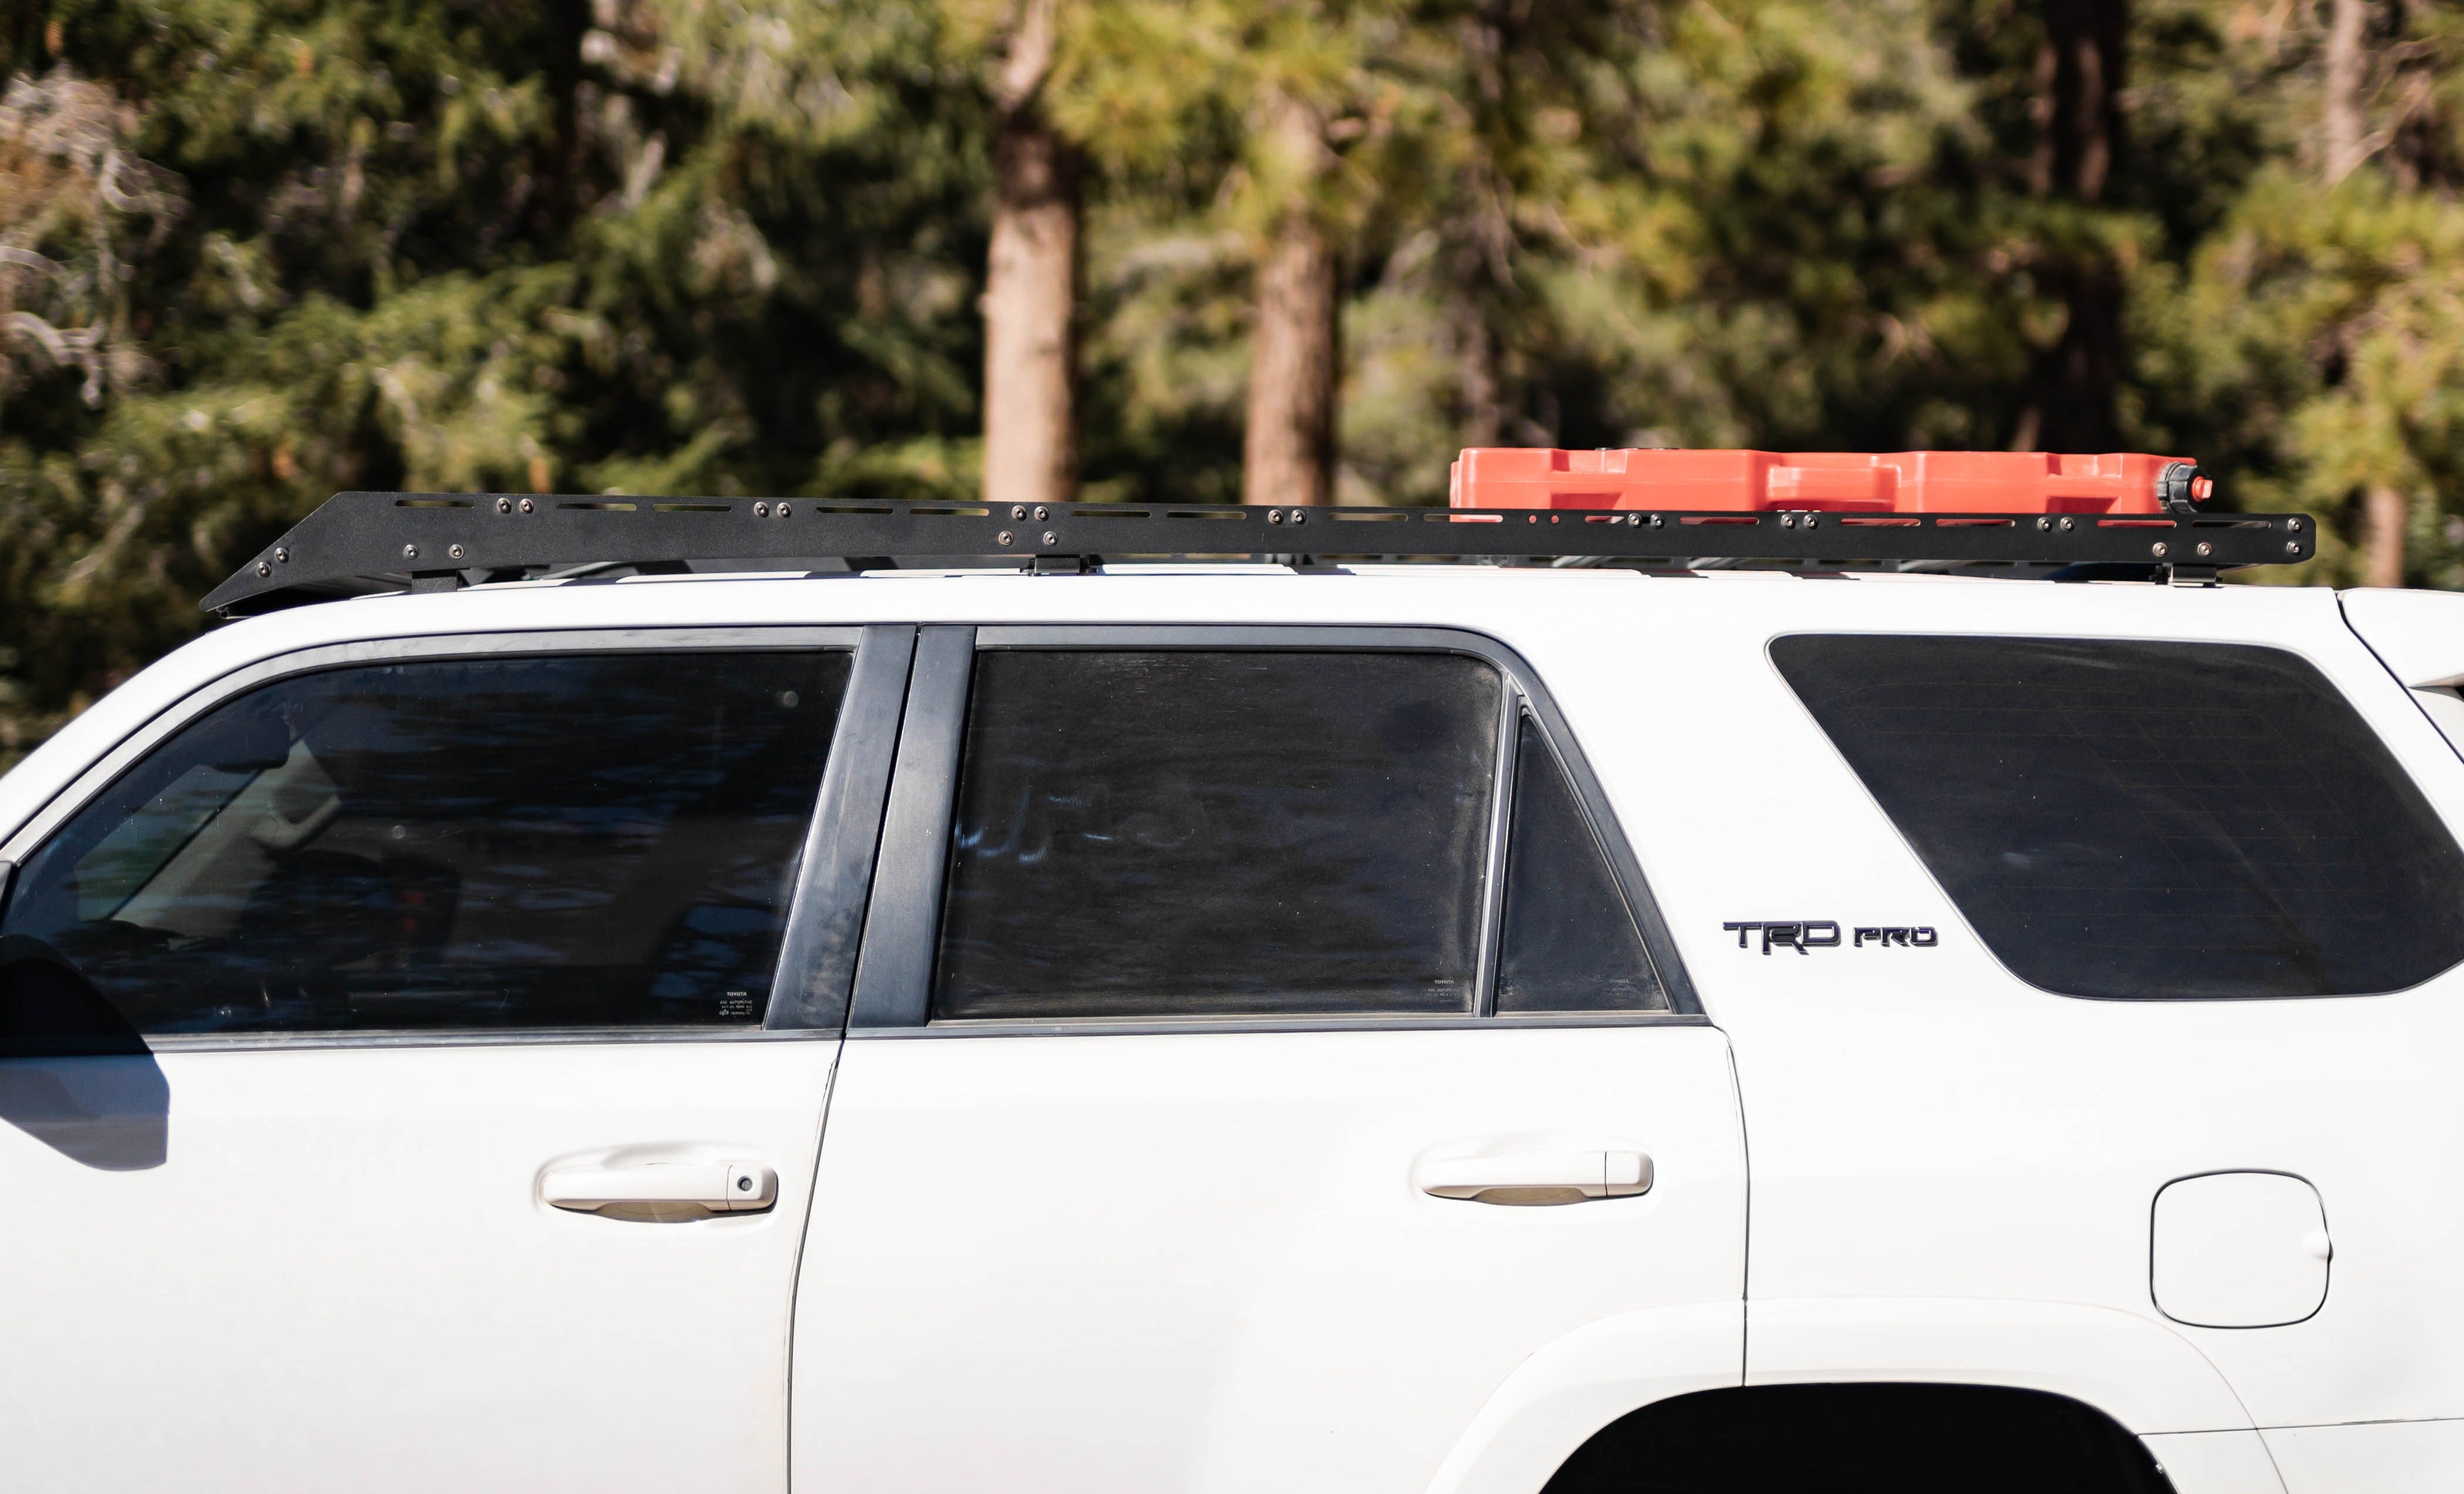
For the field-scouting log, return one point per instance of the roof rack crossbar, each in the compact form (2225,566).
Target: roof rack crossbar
(359,542)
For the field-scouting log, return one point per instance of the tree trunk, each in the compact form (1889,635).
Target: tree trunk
(1483,411)
(2342,104)
(2070,404)
(2384,563)
(1287,452)
(1484,260)
(1031,283)
(2343,118)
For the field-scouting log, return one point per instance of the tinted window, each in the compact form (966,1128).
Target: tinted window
(1570,944)
(2146,819)
(1219,833)
(566,840)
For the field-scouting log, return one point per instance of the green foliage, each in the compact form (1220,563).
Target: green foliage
(255,250)
(304,244)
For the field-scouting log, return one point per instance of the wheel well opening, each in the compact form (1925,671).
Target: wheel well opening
(1862,1439)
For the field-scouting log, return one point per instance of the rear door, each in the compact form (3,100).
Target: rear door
(415,1055)
(1262,1048)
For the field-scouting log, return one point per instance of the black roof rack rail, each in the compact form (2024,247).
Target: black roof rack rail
(360,542)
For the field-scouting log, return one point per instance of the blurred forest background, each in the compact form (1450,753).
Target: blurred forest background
(252,252)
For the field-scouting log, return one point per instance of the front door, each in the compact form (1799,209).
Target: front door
(1258,1060)
(389,1102)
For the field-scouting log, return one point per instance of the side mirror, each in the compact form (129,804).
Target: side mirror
(49,1009)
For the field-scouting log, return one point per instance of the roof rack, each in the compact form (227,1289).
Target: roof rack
(361,542)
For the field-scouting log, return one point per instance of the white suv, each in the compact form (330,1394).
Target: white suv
(1244,1027)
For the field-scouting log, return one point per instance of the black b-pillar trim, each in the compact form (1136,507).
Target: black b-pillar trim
(817,950)
(894,977)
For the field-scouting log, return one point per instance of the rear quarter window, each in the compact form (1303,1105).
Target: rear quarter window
(2146,820)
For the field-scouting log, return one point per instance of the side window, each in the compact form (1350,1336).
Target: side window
(1570,942)
(2146,819)
(560,841)
(1219,833)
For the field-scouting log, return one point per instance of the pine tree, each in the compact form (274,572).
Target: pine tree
(1031,281)
(255,250)
(664,245)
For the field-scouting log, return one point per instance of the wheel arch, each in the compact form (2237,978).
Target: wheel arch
(2139,1373)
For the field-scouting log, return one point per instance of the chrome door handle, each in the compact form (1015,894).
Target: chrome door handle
(1536,1178)
(662,1190)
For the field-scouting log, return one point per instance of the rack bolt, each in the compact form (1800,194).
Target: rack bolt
(263,569)
(1049,537)
(761,510)
(1299,518)
(1811,520)
(1004,537)
(281,556)
(782,511)
(2066,526)
(2157,549)
(1274,515)
(505,505)
(2295,522)
(2293,547)
(2044,523)
(1788,521)
(526,505)
(1042,513)
(1018,511)
(2206,549)
(455,551)
(410,552)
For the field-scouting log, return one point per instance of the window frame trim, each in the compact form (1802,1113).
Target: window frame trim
(893,987)
(798,936)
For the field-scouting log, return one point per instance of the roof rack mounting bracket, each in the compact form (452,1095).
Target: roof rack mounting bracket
(1063,565)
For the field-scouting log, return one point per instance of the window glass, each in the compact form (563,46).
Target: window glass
(2146,819)
(550,842)
(1570,944)
(1186,833)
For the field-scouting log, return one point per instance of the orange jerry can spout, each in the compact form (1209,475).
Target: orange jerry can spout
(1850,482)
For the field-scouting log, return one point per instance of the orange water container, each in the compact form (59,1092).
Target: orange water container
(1847,482)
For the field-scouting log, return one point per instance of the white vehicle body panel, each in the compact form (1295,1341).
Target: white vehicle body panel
(1559,1396)
(2419,635)
(1943,1129)
(1198,1263)
(2141,1373)
(1952,1172)
(2404,1458)
(2216,1462)
(341,1276)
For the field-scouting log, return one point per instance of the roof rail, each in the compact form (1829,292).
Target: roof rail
(361,542)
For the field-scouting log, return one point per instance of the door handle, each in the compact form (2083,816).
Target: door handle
(662,1190)
(1537,1178)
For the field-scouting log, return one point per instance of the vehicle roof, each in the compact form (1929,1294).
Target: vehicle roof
(1547,614)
